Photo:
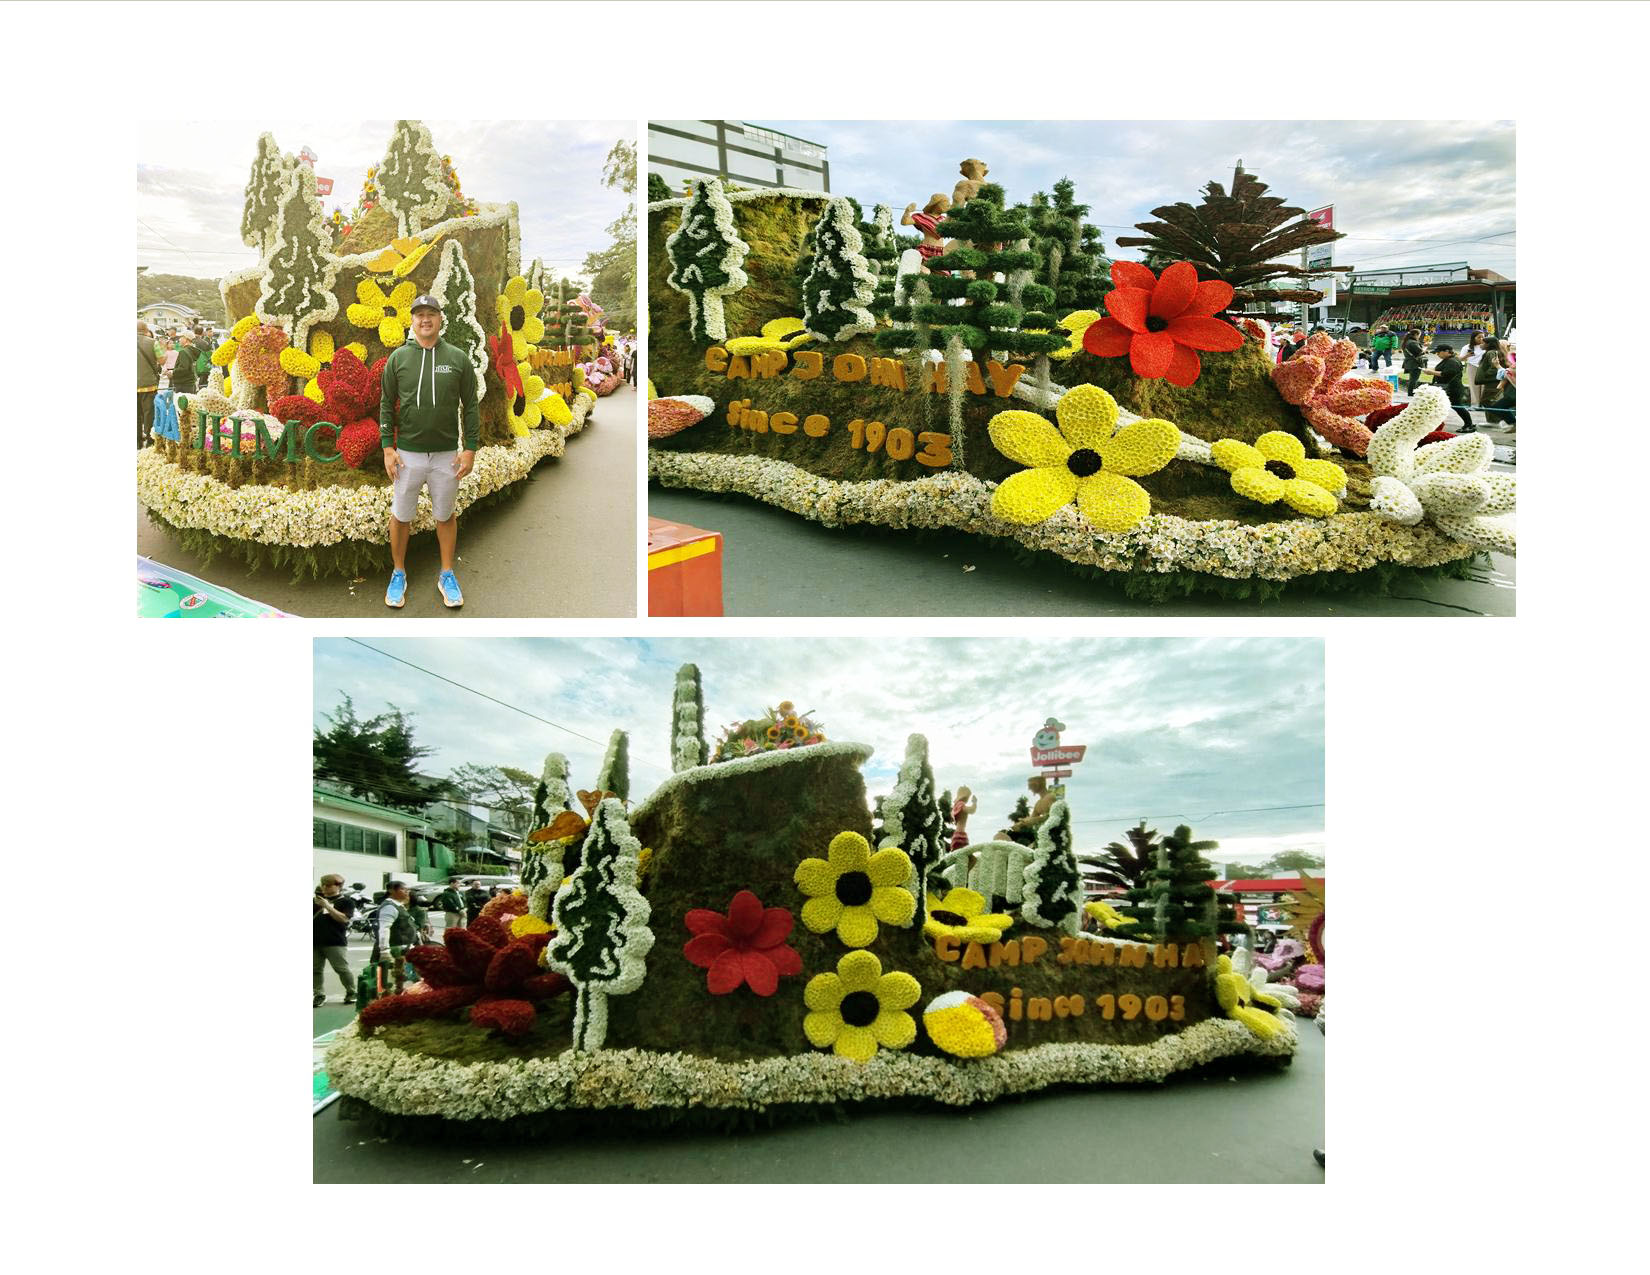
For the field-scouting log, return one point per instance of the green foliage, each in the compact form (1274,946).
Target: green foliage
(1019,822)
(375,759)
(298,278)
(1072,260)
(1182,903)
(612,270)
(1051,875)
(506,792)
(658,189)
(911,815)
(615,772)
(263,189)
(200,295)
(840,285)
(551,795)
(410,181)
(1127,867)
(706,258)
(1289,861)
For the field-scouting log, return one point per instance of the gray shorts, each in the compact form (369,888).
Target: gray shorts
(418,469)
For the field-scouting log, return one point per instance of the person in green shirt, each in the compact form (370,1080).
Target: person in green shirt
(429,425)
(452,903)
(1382,341)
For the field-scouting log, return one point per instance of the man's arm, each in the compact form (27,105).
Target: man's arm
(386,405)
(334,913)
(472,407)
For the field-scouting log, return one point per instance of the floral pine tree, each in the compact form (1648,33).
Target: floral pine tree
(1072,258)
(911,816)
(1182,902)
(707,256)
(840,285)
(687,737)
(263,192)
(456,289)
(882,252)
(551,797)
(602,936)
(1053,890)
(615,772)
(297,288)
(410,180)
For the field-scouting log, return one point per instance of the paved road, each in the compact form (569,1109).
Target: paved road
(1261,1127)
(564,547)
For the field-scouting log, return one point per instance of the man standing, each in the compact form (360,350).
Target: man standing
(452,903)
(395,932)
(333,909)
(183,370)
(427,385)
(475,898)
(148,381)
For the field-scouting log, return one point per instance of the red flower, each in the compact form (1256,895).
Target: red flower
(1162,323)
(745,946)
(481,966)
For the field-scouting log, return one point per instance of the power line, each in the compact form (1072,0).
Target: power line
(1247,810)
(515,708)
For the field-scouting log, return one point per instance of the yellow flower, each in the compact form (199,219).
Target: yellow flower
(962,915)
(777,334)
(1076,323)
(524,408)
(859,1008)
(1276,468)
(1108,916)
(1088,458)
(853,889)
(518,310)
(526,924)
(322,349)
(401,258)
(389,314)
(1235,994)
(553,407)
(224,355)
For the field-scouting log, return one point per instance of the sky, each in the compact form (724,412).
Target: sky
(191,182)
(1408,192)
(1200,731)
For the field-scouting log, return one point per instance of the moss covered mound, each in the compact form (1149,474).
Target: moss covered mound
(369,233)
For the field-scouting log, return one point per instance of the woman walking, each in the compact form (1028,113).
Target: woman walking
(1470,359)
(1415,358)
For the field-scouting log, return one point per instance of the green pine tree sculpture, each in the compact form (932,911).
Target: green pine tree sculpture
(263,193)
(1053,890)
(837,293)
(615,772)
(410,181)
(298,285)
(707,258)
(1072,260)
(1179,892)
(687,736)
(911,816)
(456,288)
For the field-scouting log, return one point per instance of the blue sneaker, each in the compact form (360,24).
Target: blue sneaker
(447,586)
(396,594)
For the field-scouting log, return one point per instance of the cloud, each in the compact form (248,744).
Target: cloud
(1201,731)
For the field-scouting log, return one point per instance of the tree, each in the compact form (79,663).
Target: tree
(1127,867)
(1072,260)
(1291,861)
(602,936)
(658,188)
(410,180)
(1237,238)
(263,192)
(911,816)
(687,738)
(840,285)
(612,271)
(1019,822)
(882,254)
(374,759)
(455,288)
(1053,890)
(297,288)
(707,256)
(1181,904)
(541,861)
(505,791)
(615,772)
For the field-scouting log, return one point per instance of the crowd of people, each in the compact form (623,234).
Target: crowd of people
(397,919)
(1483,375)
(182,360)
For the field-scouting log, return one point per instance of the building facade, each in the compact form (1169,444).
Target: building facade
(685,151)
(168,316)
(364,842)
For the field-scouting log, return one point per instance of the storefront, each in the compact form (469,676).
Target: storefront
(1451,298)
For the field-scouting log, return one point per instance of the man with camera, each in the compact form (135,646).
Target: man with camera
(333,909)
(396,930)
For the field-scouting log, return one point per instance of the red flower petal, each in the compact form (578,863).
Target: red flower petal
(544,986)
(1184,367)
(726,973)
(785,959)
(1211,297)
(704,921)
(512,1017)
(1131,274)
(1107,337)
(1128,306)
(776,924)
(1204,334)
(1150,353)
(703,949)
(760,973)
(1174,290)
(744,915)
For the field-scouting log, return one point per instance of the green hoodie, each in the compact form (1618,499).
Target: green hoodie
(431,385)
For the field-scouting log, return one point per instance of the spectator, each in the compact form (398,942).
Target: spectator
(1471,357)
(419,906)
(1486,377)
(475,898)
(1446,375)
(394,932)
(1291,346)
(1415,358)
(148,381)
(1381,341)
(452,903)
(1359,337)
(183,367)
(333,909)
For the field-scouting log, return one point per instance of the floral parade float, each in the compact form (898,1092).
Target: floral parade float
(748,940)
(277,458)
(1000,377)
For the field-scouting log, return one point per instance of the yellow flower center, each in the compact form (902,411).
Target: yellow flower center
(1084,461)
(860,1009)
(1282,468)
(853,889)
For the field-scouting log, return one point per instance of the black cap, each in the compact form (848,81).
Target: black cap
(427,300)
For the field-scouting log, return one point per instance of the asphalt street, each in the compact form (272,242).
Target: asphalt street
(565,547)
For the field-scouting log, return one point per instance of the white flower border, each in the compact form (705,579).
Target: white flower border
(327,515)
(956,500)
(1030,908)
(747,765)
(403,1083)
(453,261)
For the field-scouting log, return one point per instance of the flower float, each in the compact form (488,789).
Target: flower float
(481,966)
(224,355)
(1161,324)
(307,366)
(1246,966)
(964,1026)
(961,914)
(1449,482)
(777,334)
(1087,459)
(1276,468)
(1238,998)
(744,947)
(851,890)
(518,311)
(388,314)
(859,1009)
(1311,381)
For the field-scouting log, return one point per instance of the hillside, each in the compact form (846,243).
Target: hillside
(198,294)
